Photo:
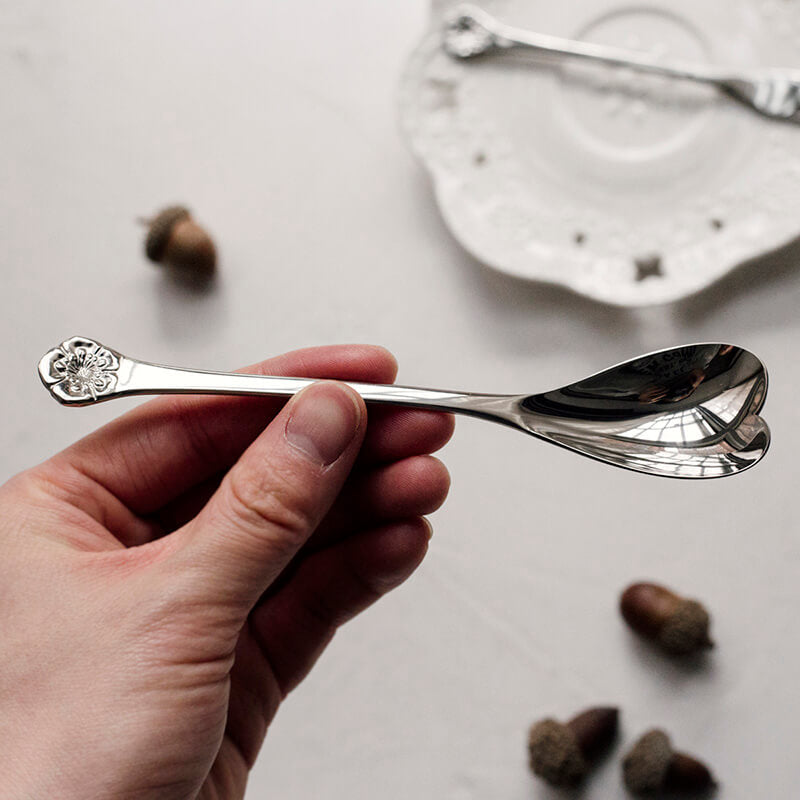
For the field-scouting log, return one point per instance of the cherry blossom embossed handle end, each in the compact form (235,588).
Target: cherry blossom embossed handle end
(80,371)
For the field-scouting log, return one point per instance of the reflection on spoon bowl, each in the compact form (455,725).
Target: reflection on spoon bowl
(691,412)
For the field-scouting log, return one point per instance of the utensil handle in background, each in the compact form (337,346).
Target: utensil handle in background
(508,36)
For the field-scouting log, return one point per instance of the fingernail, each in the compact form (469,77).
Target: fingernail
(429,527)
(323,422)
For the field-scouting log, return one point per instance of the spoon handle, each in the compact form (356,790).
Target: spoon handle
(82,371)
(472,31)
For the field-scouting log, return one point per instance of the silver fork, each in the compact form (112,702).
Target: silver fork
(470,31)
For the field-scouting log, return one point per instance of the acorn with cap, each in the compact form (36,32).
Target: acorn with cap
(562,753)
(176,240)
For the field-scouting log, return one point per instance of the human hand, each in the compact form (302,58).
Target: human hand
(167,580)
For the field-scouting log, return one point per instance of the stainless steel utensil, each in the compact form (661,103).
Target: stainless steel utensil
(686,412)
(470,31)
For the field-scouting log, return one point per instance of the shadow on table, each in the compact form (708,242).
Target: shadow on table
(774,277)
(671,672)
(760,294)
(190,303)
(530,316)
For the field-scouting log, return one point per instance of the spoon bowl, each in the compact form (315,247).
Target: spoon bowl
(689,412)
(686,412)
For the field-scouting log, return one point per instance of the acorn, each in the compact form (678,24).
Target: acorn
(560,753)
(652,765)
(679,625)
(175,239)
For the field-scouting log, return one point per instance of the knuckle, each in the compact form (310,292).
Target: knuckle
(41,486)
(270,502)
(36,481)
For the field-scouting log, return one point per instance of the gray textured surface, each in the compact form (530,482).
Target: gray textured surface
(287,147)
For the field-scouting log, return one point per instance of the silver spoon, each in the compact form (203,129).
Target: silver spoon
(470,31)
(687,412)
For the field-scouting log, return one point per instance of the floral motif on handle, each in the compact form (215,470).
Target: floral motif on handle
(80,369)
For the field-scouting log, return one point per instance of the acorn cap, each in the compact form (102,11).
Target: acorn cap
(160,229)
(554,753)
(686,630)
(645,767)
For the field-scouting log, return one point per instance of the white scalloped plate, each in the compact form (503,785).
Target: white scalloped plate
(627,188)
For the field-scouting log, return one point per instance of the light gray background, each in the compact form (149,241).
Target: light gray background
(276,122)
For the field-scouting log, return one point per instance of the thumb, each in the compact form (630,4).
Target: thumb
(274,497)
